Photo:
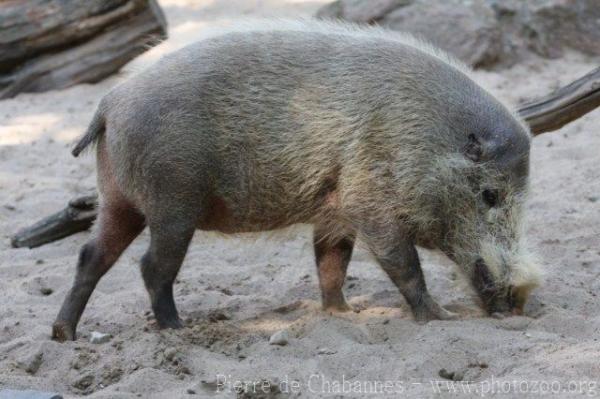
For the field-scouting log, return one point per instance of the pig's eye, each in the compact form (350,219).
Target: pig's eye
(490,197)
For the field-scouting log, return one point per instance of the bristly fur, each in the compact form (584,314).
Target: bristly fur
(472,230)
(343,29)
(357,129)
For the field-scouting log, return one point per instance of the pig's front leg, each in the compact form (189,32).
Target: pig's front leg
(400,260)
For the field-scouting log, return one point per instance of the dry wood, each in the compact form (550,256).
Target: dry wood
(78,216)
(564,105)
(53,44)
(544,115)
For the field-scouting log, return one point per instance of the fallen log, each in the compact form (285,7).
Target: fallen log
(543,115)
(54,44)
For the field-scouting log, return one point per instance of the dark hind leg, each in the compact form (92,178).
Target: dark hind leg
(118,224)
(170,237)
(332,262)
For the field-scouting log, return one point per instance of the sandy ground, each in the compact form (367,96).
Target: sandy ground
(261,285)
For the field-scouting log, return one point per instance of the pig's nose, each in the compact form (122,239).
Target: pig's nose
(516,306)
(483,277)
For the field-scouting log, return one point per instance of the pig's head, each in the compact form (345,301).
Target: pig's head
(478,195)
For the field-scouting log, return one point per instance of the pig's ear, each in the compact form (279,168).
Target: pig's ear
(508,151)
(473,150)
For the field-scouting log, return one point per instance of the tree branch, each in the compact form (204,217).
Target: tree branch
(563,106)
(78,216)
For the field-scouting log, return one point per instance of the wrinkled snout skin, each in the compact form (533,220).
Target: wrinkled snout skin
(497,300)
(363,133)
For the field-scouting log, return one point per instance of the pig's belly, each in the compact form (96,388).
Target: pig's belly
(222,217)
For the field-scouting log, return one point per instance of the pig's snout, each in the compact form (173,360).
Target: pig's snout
(497,298)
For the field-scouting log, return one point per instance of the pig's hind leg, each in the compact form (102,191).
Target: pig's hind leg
(118,224)
(332,262)
(170,238)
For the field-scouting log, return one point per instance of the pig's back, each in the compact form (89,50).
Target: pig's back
(276,114)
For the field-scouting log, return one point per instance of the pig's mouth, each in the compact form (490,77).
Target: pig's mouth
(497,299)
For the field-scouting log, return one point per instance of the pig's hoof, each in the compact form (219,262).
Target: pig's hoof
(433,311)
(62,332)
(337,307)
(174,323)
